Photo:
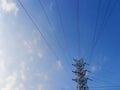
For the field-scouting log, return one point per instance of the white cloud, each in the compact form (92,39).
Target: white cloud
(23,70)
(2,66)
(23,76)
(46,77)
(42,76)
(9,7)
(93,68)
(20,86)
(2,61)
(40,87)
(10,82)
(28,45)
(40,55)
(59,65)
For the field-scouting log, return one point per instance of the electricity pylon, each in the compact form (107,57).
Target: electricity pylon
(80,72)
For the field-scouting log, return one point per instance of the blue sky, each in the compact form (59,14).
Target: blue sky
(28,63)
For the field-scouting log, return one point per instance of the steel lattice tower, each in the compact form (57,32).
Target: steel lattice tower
(80,72)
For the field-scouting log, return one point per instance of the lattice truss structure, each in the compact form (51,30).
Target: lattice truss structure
(81,74)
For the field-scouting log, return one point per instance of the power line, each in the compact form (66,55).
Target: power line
(37,28)
(91,54)
(96,23)
(61,23)
(103,25)
(105,75)
(60,19)
(95,29)
(45,13)
(105,87)
(105,21)
(98,80)
(106,13)
(78,28)
(51,25)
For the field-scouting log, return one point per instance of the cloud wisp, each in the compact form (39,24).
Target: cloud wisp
(59,65)
(9,7)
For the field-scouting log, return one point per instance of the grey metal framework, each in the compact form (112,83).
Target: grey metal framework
(81,72)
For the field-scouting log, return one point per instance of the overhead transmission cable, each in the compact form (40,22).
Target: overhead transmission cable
(78,27)
(37,28)
(97,18)
(95,29)
(106,16)
(62,27)
(93,46)
(105,87)
(103,81)
(51,25)
(105,21)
